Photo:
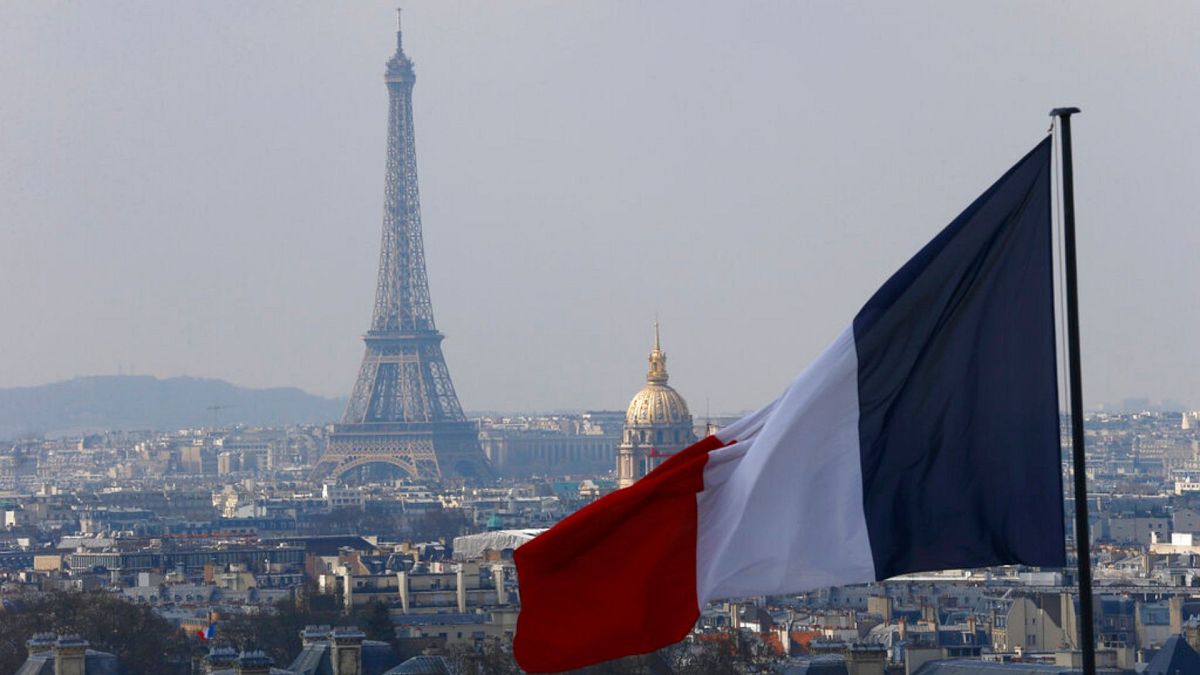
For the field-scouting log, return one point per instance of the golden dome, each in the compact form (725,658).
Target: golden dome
(657,404)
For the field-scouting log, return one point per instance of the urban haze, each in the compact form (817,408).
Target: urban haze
(194,188)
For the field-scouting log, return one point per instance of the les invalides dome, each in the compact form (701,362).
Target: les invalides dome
(657,422)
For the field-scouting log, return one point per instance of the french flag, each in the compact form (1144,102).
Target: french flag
(206,635)
(925,437)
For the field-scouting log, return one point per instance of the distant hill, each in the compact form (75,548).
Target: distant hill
(145,402)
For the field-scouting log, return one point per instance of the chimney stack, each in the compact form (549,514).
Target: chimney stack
(346,650)
(253,663)
(70,655)
(1191,633)
(501,590)
(41,643)
(1175,612)
(865,660)
(929,614)
(313,634)
(460,589)
(826,646)
(348,588)
(402,582)
(992,629)
(220,658)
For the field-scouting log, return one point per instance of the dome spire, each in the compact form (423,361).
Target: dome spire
(658,361)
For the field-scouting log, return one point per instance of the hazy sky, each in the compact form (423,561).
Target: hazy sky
(196,187)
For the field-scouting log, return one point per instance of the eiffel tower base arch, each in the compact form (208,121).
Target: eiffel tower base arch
(423,455)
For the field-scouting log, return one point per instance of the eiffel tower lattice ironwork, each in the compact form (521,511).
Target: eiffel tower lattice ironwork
(403,410)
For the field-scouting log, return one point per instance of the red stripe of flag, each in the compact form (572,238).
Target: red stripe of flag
(617,577)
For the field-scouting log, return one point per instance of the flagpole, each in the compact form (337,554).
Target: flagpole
(1079,463)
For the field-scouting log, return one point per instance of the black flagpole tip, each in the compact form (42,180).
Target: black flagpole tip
(1064,112)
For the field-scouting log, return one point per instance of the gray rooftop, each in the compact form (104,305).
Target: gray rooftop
(96,663)
(1175,657)
(422,665)
(971,666)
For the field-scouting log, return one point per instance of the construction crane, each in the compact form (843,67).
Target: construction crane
(216,409)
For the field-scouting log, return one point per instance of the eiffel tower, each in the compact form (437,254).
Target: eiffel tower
(403,411)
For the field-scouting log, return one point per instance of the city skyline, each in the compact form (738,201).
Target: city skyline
(220,203)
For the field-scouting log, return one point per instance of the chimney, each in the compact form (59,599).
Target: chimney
(1175,612)
(402,583)
(826,646)
(347,588)
(501,590)
(313,634)
(881,605)
(70,655)
(40,643)
(1191,633)
(903,628)
(346,650)
(1068,621)
(253,663)
(220,658)
(971,626)
(929,614)
(460,589)
(865,660)
(992,629)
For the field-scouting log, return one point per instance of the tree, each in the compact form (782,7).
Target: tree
(443,524)
(348,520)
(702,657)
(493,657)
(276,632)
(143,642)
(376,622)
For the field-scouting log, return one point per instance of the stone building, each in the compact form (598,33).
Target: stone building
(657,423)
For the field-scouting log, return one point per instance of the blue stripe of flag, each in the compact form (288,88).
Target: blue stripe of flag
(958,420)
